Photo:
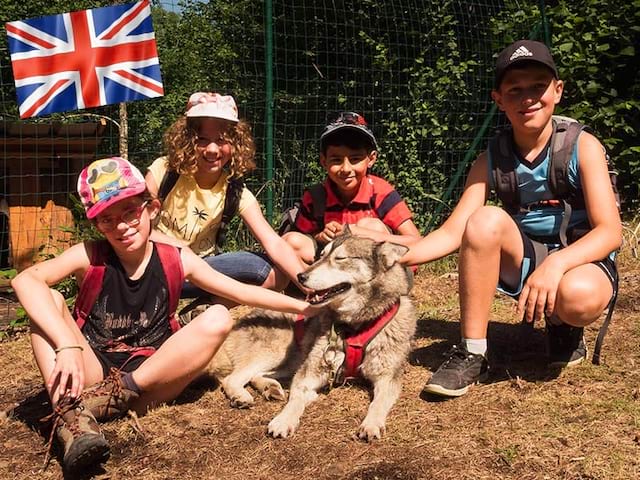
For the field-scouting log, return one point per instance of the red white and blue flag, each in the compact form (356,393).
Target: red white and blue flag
(84,59)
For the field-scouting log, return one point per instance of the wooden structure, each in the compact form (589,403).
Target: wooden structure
(40,163)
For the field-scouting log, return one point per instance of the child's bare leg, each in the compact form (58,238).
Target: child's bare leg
(583,294)
(303,246)
(43,351)
(491,248)
(182,357)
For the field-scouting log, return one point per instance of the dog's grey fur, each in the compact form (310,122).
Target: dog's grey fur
(261,348)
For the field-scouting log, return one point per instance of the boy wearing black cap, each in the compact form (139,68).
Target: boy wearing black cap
(350,195)
(524,250)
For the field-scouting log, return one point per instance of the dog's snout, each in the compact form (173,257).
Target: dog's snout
(302,277)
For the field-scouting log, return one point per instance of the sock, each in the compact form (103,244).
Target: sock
(130,383)
(476,345)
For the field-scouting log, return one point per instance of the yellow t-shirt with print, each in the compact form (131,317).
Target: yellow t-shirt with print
(191,213)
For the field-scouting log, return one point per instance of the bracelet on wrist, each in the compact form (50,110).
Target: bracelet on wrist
(66,347)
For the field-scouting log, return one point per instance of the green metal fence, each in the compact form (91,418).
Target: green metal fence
(419,71)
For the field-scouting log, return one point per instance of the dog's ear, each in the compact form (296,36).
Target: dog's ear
(346,230)
(389,253)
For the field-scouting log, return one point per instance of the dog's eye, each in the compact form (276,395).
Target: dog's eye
(339,258)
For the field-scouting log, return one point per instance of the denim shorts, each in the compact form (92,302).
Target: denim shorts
(246,267)
(535,252)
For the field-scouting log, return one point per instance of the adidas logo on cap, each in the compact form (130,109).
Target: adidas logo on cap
(522,51)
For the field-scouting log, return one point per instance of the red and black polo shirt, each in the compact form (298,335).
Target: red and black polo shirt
(376,198)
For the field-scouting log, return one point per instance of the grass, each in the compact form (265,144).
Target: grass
(527,423)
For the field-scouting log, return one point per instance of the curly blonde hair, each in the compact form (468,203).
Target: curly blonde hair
(180,145)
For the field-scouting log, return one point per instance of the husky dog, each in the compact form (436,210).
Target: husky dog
(357,281)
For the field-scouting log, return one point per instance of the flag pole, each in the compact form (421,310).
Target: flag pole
(123,140)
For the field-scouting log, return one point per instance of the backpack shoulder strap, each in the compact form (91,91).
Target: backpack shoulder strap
(231,205)
(173,272)
(563,142)
(169,181)
(319,203)
(92,282)
(505,179)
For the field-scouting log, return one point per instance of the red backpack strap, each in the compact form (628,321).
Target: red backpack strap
(173,272)
(92,282)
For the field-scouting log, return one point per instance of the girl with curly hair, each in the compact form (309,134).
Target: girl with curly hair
(209,146)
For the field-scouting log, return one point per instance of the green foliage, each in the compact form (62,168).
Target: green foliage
(596,44)
(421,74)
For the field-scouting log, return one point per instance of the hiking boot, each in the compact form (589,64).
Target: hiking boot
(109,399)
(78,432)
(566,345)
(460,370)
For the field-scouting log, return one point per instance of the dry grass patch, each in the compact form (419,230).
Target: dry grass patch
(528,423)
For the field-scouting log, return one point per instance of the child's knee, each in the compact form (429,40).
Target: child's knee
(215,322)
(371,223)
(485,226)
(302,244)
(297,240)
(579,302)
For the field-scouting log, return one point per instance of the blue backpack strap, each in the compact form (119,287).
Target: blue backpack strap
(92,282)
(173,272)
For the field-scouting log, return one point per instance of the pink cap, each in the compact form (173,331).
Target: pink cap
(213,105)
(108,181)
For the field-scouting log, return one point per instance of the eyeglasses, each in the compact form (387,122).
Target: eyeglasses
(131,217)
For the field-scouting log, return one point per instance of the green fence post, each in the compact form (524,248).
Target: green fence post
(545,25)
(268,141)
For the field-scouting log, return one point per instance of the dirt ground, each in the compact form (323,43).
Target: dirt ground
(526,423)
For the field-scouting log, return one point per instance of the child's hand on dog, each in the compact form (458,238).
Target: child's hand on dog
(331,231)
(312,310)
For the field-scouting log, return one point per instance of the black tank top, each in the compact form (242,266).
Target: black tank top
(130,314)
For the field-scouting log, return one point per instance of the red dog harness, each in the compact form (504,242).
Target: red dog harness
(356,344)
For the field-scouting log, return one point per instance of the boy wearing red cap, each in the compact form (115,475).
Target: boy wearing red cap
(350,195)
(125,346)
(553,252)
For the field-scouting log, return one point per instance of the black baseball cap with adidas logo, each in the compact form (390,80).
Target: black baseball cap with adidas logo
(523,51)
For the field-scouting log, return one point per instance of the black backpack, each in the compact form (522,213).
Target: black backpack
(319,204)
(231,201)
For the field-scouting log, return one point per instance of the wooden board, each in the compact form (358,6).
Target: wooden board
(35,232)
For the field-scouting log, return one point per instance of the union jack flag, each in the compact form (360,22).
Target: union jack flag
(84,59)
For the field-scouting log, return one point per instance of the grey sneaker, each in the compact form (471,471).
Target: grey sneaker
(566,345)
(78,432)
(457,373)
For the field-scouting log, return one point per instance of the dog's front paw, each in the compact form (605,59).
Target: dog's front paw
(241,400)
(274,391)
(370,431)
(282,427)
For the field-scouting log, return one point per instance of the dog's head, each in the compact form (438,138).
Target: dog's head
(357,277)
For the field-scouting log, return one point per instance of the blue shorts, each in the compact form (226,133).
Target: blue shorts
(535,252)
(246,267)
